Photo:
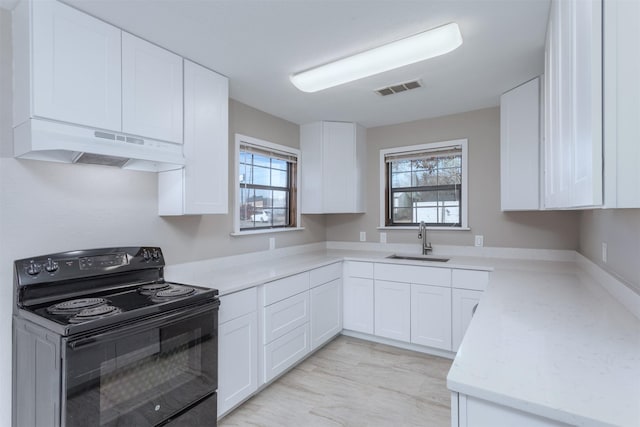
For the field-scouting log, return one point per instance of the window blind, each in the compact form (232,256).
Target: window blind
(274,154)
(424,154)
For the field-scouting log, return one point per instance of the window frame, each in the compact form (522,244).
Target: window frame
(464,198)
(267,146)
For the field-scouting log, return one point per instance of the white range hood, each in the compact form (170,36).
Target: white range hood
(41,139)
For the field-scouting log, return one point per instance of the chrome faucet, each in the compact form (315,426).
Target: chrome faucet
(422,234)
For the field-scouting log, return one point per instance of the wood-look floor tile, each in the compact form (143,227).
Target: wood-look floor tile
(352,382)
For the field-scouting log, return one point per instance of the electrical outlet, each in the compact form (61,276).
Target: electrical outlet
(272,243)
(363,236)
(604,252)
(479,241)
(383,237)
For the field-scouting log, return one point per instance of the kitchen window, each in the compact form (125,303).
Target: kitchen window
(266,186)
(425,182)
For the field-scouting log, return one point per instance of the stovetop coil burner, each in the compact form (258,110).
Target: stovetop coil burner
(94,313)
(152,288)
(174,291)
(76,305)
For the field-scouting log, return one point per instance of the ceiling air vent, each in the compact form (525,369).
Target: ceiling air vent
(401,87)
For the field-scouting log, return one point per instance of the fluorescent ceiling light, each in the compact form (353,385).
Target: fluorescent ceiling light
(416,48)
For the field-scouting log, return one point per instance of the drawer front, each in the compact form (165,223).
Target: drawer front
(284,288)
(284,316)
(470,279)
(237,304)
(359,269)
(285,352)
(413,274)
(325,274)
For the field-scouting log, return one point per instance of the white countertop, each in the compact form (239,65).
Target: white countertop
(546,339)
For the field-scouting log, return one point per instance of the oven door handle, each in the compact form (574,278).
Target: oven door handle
(161,320)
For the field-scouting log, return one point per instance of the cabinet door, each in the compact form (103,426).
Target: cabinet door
(622,104)
(392,310)
(431,316)
(326,312)
(76,67)
(201,187)
(463,306)
(151,90)
(285,352)
(237,361)
(573,143)
(339,156)
(358,305)
(520,147)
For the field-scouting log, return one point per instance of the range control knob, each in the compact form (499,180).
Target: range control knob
(146,255)
(34,269)
(51,266)
(155,254)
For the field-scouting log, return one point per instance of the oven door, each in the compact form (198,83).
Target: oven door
(142,374)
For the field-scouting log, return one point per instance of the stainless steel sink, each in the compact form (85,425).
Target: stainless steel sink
(418,258)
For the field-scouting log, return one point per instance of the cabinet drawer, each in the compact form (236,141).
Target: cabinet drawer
(284,288)
(413,274)
(470,279)
(325,274)
(359,269)
(237,304)
(284,352)
(286,315)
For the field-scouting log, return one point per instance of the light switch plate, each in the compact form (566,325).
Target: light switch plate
(363,236)
(479,241)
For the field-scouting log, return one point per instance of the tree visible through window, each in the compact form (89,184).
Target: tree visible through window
(267,188)
(425,185)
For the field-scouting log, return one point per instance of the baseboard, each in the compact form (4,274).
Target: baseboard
(400,344)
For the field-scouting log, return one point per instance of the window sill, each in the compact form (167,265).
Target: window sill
(264,231)
(415,228)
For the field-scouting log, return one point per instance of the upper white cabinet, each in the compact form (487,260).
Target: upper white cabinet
(622,103)
(67,66)
(332,167)
(151,90)
(201,187)
(573,105)
(520,147)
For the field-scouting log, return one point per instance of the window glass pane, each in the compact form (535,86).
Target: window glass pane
(449,176)
(280,199)
(278,178)
(424,178)
(259,160)
(261,176)
(244,176)
(448,195)
(402,199)
(402,215)
(279,164)
(401,166)
(428,215)
(280,217)
(450,213)
(262,199)
(450,161)
(402,179)
(429,164)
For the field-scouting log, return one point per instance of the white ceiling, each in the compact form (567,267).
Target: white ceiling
(259,43)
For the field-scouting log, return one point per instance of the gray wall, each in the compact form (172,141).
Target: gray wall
(620,230)
(545,230)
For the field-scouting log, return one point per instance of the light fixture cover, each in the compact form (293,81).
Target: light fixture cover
(416,48)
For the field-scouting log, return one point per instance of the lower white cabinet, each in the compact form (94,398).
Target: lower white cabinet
(431,316)
(286,315)
(392,301)
(463,306)
(237,361)
(286,351)
(358,304)
(468,411)
(237,349)
(326,312)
